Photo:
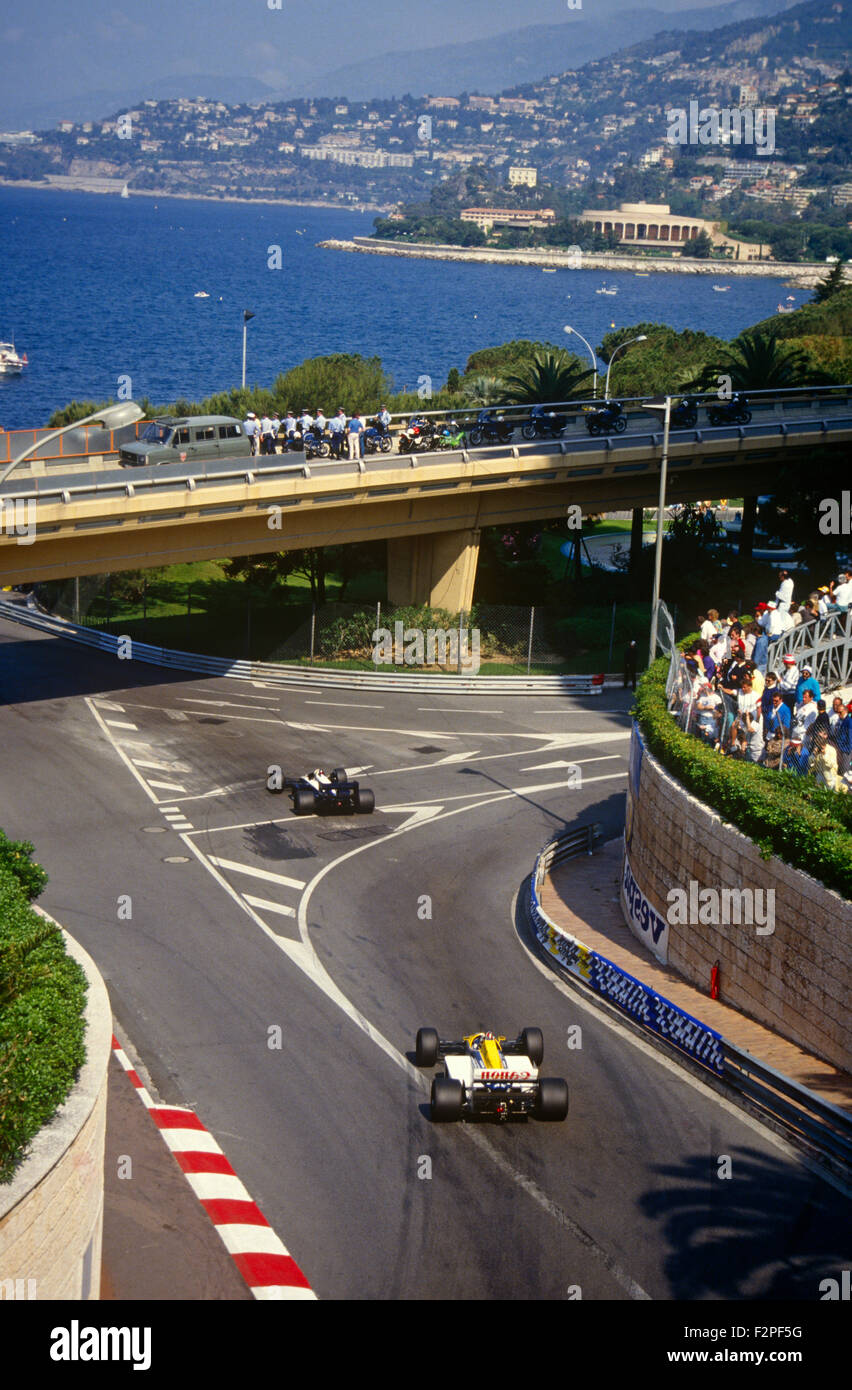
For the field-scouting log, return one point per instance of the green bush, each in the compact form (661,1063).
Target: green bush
(784,814)
(42,999)
(15,855)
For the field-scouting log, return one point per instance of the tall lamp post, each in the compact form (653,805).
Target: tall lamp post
(569,329)
(660,405)
(643,337)
(112,417)
(247,314)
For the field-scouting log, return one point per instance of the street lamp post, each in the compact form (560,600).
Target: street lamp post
(247,314)
(569,329)
(643,337)
(112,417)
(662,406)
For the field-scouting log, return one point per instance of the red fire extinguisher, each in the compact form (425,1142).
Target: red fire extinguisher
(714,981)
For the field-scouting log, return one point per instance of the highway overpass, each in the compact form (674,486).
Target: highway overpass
(430,507)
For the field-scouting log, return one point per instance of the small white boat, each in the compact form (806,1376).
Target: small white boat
(721,289)
(548,270)
(125,192)
(642,274)
(607,289)
(201,294)
(11,362)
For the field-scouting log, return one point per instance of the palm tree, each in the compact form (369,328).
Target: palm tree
(482,390)
(549,375)
(758,362)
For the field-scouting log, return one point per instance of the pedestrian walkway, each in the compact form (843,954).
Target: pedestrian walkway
(585,890)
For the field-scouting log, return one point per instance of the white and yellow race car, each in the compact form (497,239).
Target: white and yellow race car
(486,1075)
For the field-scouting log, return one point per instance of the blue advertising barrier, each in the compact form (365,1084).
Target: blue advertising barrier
(636,999)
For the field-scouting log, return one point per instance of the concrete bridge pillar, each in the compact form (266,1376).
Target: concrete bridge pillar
(437,568)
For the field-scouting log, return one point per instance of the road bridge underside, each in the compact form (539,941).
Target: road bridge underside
(433,537)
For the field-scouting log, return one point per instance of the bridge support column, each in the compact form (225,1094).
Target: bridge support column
(437,569)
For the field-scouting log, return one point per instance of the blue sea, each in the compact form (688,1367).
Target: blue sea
(94,288)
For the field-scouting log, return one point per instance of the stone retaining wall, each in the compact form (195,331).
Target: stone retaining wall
(796,977)
(51,1214)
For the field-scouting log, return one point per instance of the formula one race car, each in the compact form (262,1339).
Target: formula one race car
(484,1077)
(325,792)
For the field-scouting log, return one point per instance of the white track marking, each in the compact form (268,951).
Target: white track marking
(342,704)
(121,724)
(257,873)
(551,743)
(417,814)
(265,905)
(430,710)
(218,704)
(456,758)
(167,786)
(544,767)
(108,704)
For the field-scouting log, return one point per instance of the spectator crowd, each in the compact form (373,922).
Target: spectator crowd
(270,434)
(732,694)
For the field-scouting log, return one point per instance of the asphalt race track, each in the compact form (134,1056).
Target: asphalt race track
(245,919)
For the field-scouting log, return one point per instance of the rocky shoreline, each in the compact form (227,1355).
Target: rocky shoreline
(801,276)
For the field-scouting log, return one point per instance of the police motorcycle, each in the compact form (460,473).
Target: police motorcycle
(543,424)
(732,412)
(377,437)
(608,418)
(491,428)
(685,414)
(315,444)
(417,437)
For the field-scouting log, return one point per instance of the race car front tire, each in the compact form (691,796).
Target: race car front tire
(552,1103)
(426,1047)
(447,1100)
(304,801)
(532,1045)
(365,801)
(338,774)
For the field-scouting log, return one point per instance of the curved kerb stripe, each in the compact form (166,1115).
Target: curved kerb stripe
(258,1252)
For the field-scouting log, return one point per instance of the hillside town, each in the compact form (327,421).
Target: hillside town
(556,148)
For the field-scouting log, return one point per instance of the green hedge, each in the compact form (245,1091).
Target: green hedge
(42,1002)
(784,814)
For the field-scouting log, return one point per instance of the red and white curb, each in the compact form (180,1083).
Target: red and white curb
(261,1257)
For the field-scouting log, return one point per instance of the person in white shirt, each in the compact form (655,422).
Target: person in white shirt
(788,681)
(779,621)
(804,716)
(823,599)
(707,630)
(251,428)
(784,592)
(708,711)
(843,592)
(288,428)
(338,432)
(320,423)
(267,436)
(305,421)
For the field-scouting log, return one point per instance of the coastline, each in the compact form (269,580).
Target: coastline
(804,276)
(193,197)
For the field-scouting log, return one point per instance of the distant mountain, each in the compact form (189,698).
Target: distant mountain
(489,65)
(798,31)
(520,56)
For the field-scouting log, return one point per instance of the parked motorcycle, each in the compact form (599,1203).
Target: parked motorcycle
(607,419)
(491,428)
(450,435)
(418,437)
(685,414)
(543,424)
(377,438)
(315,445)
(732,412)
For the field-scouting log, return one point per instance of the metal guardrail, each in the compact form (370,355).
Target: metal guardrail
(271,673)
(825,645)
(822,1126)
(254,470)
(796,398)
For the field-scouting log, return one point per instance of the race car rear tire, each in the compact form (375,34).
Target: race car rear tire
(426,1047)
(304,801)
(447,1100)
(532,1045)
(338,774)
(365,801)
(552,1103)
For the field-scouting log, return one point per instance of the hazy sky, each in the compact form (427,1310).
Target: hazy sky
(60,48)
